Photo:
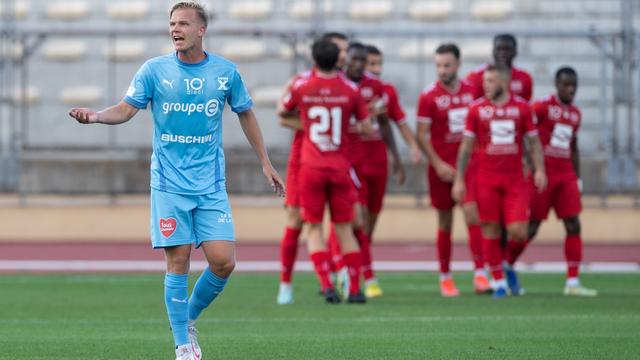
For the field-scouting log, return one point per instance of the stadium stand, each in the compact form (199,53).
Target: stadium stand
(82,95)
(430,10)
(267,95)
(67,10)
(20,9)
(396,26)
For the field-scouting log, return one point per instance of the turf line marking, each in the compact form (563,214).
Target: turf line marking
(274,266)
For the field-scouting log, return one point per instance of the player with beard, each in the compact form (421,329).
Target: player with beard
(500,124)
(442,109)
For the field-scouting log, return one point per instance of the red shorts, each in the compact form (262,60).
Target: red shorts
(372,191)
(471,184)
(503,199)
(562,194)
(440,191)
(321,186)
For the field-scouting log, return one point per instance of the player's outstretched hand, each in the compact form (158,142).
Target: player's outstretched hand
(540,180)
(84,115)
(445,171)
(274,180)
(457,191)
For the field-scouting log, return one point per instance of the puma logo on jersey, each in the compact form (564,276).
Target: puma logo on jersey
(167,82)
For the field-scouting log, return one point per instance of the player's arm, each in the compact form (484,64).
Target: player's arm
(389,140)
(537,155)
(410,139)
(464,154)
(117,114)
(291,121)
(575,160)
(445,171)
(252,131)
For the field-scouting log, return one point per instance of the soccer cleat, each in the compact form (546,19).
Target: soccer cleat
(512,281)
(579,290)
(331,297)
(358,298)
(500,293)
(193,339)
(342,283)
(481,284)
(184,352)
(372,289)
(448,288)
(285,294)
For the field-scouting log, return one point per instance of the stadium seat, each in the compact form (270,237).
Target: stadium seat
(20,10)
(490,10)
(411,50)
(430,10)
(370,10)
(250,10)
(67,10)
(32,95)
(303,10)
(479,50)
(125,50)
(128,10)
(267,96)
(14,52)
(65,50)
(244,50)
(81,95)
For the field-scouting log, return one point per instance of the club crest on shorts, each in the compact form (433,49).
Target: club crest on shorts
(168,226)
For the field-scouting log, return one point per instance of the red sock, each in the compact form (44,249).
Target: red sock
(336,262)
(475,245)
(352,262)
(515,249)
(443,242)
(573,254)
(365,253)
(493,254)
(320,261)
(288,253)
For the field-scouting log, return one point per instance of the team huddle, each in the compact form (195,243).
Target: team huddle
(504,159)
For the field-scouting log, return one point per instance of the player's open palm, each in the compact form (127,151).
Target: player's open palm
(540,180)
(84,115)
(274,180)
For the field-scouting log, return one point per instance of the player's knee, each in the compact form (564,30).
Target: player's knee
(294,219)
(471,215)
(572,225)
(223,268)
(518,232)
(445,220)
(178,264)
(533,228)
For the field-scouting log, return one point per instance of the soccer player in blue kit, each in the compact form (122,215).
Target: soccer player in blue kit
(189,206)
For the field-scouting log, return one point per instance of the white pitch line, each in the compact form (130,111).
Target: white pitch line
(305,266)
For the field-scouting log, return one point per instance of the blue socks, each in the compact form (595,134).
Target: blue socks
(207,288)
(176,298)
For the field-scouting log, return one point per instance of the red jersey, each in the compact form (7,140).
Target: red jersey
(446,112)
(394,108)
(326,105)
(558,125)
(521,82)
(296,144)
(361,147)
(499,131)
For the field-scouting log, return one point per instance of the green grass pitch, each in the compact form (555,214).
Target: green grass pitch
(123,317)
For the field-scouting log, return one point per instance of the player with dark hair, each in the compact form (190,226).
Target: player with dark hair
(441,113)
(499,124)
(368,155)
(505,50)
(325,102)
(558,121)
(293,229)
(187,90)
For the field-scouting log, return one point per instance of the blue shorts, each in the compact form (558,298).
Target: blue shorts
(190,219)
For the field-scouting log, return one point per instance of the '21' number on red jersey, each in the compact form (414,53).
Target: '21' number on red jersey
(327,132)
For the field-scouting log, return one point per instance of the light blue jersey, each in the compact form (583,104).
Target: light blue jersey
(187,101)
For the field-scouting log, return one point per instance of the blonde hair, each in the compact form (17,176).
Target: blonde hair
(199,8)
